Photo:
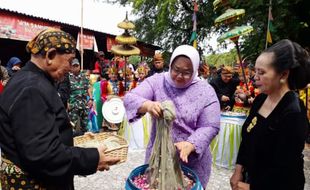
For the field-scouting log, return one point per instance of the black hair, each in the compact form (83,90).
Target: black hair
(291,56)
(212,67)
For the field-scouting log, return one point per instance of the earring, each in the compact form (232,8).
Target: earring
(282,81)
(49,62)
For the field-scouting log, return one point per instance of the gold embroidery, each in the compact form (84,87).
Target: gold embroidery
(252,124)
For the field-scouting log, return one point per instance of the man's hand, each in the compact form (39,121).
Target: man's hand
(185,149)
(15,68)
(227,108)
(225,98)
(90,134)
(105,161)
(251,100)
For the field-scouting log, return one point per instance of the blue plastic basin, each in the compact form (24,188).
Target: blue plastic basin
(141,169)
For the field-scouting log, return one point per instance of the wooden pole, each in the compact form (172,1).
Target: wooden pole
(241,64)
(81,37)
(268,24)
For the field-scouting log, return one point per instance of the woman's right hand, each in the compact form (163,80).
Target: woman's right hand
(105,161)
(154,108)
(236,177)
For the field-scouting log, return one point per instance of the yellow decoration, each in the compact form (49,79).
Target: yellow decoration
(124,39)
(229,16)
(125,50)
(252,124)
(220,3)
(112,70)
(126,25)
(269,38)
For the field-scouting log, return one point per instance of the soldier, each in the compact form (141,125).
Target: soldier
(79,100)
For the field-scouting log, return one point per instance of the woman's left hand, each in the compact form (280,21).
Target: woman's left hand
(243,186)
(185,149)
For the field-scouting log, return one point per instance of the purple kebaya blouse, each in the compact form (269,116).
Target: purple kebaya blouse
(197,112)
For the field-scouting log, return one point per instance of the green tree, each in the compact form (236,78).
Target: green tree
(168,23)
(291,19)
(228,58)
(134,60)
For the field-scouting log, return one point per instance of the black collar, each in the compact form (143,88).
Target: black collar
(30,66)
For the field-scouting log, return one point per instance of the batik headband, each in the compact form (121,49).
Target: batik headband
(51,38)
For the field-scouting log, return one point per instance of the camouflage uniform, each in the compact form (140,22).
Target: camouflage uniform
(78,112)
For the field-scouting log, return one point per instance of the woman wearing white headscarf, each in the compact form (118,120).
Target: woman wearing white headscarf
(197,109)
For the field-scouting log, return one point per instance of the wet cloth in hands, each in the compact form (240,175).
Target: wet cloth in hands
(164,171)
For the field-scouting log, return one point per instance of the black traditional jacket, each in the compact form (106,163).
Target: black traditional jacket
(271,148)
(227,89)
(35,133)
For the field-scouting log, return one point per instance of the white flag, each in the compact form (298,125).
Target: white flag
(78,42)
(95,45)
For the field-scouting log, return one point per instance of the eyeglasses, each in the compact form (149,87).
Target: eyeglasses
(184,74)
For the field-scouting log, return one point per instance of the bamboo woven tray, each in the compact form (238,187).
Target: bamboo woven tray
(120,151)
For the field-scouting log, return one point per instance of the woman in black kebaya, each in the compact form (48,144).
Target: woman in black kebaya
(273,136)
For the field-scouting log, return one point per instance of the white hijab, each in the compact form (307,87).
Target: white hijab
(193,55)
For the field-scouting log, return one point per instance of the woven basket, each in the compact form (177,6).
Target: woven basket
(117,152)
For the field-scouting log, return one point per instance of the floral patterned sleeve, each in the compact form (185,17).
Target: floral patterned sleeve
(208,124)
(134,99)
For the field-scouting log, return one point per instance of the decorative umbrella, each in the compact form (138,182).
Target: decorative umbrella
(126,41)
(229,16)
(126,24)
(234,35)
(125,38)
(125,50)
(220,3)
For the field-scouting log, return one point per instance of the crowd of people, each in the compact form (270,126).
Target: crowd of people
(47,102)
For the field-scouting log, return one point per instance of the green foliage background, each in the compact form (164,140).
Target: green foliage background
(168,23)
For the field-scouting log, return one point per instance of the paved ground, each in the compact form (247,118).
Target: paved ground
(116,177)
